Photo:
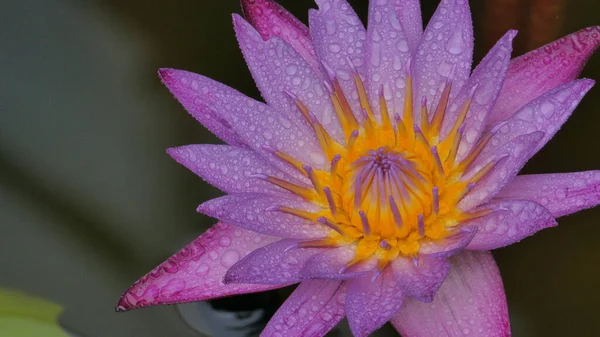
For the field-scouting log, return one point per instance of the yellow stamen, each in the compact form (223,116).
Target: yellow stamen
(303,192)
(440,112)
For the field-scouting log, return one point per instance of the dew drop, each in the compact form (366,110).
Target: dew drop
(330,27)
(316,158)
(375,55)
(202,270)
(456,45)
(335,48)
(229,258)
(291,69)
(225,241)
(547,109)
(402,45)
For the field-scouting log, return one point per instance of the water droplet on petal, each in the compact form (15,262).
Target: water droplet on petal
(335,48)
(456,45)
(229,258)
(547,109)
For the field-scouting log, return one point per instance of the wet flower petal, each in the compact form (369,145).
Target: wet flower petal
(547,113)
(195,273)
(545,68)
(228,168)
(561,193)
(409,14)
(255,123)
(254,211)
(277,264)
(271,19)
(182,87)
(446,50)
(471,301)
(513,221)
(314,308)
(446,247)
(371,303)
(510,159)
(420,278)
(387,54)
(333,264)
(339,35)
(481,90)
(277,69)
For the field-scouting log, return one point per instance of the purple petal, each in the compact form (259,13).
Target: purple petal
(545,68)
(255,123)
(514,155)
(486,80)
(513,221)
(443,248)
(314,308)
(195,273)
(409,13)
(253,211)
(332,263)
(277,263)
(471,301)
(546,113)
(228,168)
(387,53)
(271,19)
(422,281)
(338,34)
(370,304)
(561,193)
(277,68)
(184,89)
(447,43)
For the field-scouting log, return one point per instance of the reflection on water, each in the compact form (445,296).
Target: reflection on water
(89,201)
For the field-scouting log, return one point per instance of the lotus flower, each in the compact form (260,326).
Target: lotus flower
(380,172)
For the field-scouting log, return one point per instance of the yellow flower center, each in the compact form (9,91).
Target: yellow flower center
(393,184)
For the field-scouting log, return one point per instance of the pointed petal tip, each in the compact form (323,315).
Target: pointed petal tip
(122,305)
(173,152)
(511,34)
(167,76)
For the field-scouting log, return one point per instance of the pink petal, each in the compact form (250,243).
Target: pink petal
(423,280)
(338,34)
(277,264)
(447,43)
(255,123)
(332,263)
(253,211)
(510,159)
(471,301)
(443,248)
(513,221)
(228,168)
(271,19)
(371,303)
(546,113)
(387,53)
(195,273)
(486,80)
(409,13)
(181,87)
(561,193)
(277,68)
(545,68)
(314,308)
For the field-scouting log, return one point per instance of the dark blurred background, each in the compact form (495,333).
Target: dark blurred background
(89,200)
